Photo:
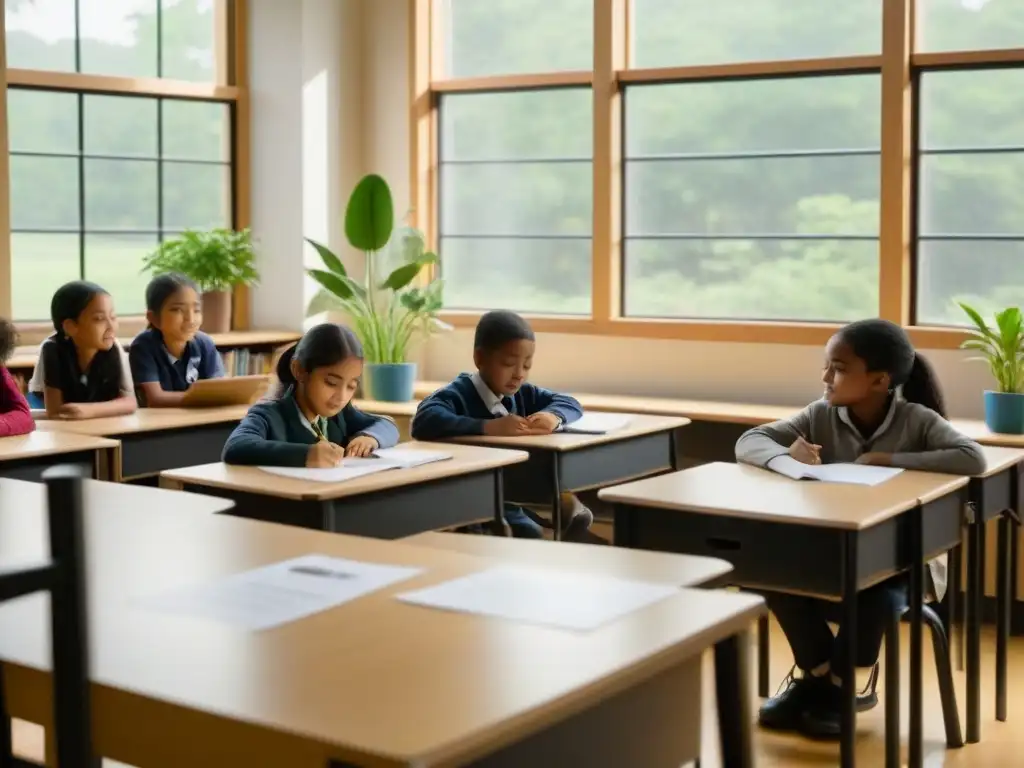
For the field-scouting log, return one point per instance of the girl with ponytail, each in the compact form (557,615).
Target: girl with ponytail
(882,405)
(310,421)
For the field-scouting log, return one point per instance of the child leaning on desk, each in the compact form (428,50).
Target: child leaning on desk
(15,416)
(882,406)
(310,421)
(497,400)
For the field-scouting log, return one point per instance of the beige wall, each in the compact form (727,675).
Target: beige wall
(373,135)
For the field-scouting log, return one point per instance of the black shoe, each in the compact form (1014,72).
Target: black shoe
(823,720)
(796,695)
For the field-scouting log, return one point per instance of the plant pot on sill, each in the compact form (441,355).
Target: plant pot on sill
(216,311)
(1004,412)
(389,382)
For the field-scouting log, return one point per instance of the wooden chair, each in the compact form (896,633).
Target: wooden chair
(64,578)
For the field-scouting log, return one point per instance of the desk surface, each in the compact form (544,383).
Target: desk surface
(639,425)
(374,681)
(684,570)
(406,409)
(147,420)
(37,444)
(737,490)
(465,459)
(978,431)
(999,459)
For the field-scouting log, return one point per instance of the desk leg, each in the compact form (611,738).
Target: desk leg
(1002,612)
(954,622)
(763,656)
(556,495)
(975,569)
(892,691)
(848,654)
(915,751)
(501,528)
(732,695)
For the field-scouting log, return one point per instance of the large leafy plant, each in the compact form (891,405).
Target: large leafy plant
(1001,346)
(217,259)
(385,313)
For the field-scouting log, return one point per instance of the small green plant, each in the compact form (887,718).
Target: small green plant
(387,313)
(1001,346)
(217,259)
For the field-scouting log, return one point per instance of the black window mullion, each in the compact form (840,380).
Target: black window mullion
(160,165)
(81,179)
(159,38)
(78,36)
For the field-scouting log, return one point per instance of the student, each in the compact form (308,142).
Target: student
(497,400)
(83,372)
(15,416)
(172,353)
(311,421)
(881,406)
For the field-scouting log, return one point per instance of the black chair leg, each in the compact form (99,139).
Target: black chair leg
(763,656)
(944,671)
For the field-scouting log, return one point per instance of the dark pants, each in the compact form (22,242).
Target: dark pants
(805,621)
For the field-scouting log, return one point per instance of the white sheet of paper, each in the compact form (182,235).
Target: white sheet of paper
(349,469)
(537,596)
(410,457)
(277,594)
(852,474)
(597,423)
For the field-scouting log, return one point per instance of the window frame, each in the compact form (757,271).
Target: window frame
(230,87)
(897,64)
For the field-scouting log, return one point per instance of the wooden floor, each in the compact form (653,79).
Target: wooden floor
(1002,744)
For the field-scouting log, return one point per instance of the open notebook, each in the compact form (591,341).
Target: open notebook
(591,423)
(349,469)
(853,474)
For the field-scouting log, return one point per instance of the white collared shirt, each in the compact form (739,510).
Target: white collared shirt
(491,401)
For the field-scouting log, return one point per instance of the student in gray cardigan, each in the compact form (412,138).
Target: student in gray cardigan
(882,406)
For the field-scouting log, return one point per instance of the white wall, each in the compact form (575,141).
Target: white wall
(370,133)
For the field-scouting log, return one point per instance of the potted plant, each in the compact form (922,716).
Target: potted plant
(386,314)
(218,260)
(1002,347)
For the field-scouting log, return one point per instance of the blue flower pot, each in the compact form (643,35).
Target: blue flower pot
(1004,412)
(389,382)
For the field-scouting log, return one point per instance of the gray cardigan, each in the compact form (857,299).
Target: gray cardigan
(915,436)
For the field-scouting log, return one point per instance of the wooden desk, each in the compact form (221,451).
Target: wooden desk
(155,439)
(571,462)
(374,682)
(25,457)
(684,570)
(464,489)
(847,538)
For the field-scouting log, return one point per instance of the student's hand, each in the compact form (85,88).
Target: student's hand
(543,422)
(875,459)
(72,411)
(324,455)
(508,426)
(361,446)
(805,452)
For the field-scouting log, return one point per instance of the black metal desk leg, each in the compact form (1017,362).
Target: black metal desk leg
(556,496)
(732,686)
(915,750)
(763,656)
(975,569)
(1002,612)
(501,528)
(954,622)
(892,691)
(848,654)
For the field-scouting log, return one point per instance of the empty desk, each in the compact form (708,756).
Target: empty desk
(25,457)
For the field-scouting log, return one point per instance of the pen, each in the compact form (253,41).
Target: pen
(317,431)
(312,570)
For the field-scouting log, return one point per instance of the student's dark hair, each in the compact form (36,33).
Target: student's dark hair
(498,327)
(8,339)
(322,345)
(70,301)
(162,287)
(885,346)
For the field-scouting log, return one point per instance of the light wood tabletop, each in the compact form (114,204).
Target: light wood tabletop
(36,444)
(979,432)
(998,459)
(372,682)
(147,420)
(737,490)
(401,410)
(465,459)
(638,426)
(664,567)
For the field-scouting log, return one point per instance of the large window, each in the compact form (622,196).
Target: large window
(104,165)
(739,169)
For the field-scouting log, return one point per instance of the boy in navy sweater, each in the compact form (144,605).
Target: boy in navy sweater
(497,400)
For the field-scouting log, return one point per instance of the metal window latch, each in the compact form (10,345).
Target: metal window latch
(970,513)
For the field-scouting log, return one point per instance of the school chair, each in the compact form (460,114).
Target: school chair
(64,578)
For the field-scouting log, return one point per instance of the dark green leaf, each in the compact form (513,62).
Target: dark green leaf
(327,256)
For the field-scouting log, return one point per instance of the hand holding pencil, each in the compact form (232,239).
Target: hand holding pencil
(804,451)
(323,454)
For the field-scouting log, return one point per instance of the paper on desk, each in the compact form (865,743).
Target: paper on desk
(596,423)
(279,593)
(349,469)
(410,457)
(853,474)
(536,596)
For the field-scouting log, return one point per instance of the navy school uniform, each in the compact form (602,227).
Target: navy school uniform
(107,378)
(152,361)
(276,433)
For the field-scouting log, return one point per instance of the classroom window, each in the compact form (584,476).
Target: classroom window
(968,25)
(516,200)
(675,33)
(752,199)
(98,181)
(175,39)
(970,224)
